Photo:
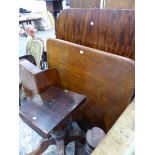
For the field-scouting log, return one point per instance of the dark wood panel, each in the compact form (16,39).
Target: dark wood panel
(47,78)
(120,4)
(45,112)
(106,79)
(104,29)
(85,3)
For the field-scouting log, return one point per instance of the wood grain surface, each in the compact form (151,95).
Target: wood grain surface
(47,111)
(84,3)
(106,79)
(120,4)
(104,29)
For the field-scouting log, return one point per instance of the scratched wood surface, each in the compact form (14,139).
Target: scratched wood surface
(106,79)
(108,30)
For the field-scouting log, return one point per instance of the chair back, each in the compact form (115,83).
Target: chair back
(35,48)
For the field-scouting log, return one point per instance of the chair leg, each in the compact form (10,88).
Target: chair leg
(76,135)
(43,146)
(60,147)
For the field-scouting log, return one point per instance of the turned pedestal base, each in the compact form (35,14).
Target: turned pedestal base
(60,138)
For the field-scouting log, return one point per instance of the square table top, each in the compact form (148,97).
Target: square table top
(45,112)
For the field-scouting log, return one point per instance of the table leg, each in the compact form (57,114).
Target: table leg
(60,147)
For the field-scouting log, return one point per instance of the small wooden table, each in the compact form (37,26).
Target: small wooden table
(48,113)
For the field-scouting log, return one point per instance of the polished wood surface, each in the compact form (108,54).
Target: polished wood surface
(106,79)
(84,3)
(104,29)
(119,4)
(45,112)
(47,78)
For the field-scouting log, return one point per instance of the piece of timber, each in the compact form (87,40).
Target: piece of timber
(84,3)
(106,79)
(120,138)
(34,80)
(108,30)
(119,4)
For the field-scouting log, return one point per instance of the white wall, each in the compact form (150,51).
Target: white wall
(32,5)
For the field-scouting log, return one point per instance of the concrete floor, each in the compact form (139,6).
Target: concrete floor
(30,140)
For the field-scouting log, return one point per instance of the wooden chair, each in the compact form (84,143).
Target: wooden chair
(35,47)
(49,108)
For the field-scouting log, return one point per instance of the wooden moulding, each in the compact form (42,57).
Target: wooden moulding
(106,79)
(108,30)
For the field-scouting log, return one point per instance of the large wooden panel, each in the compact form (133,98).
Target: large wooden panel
(120,4)
(104,29)
(106,79)
(85,3)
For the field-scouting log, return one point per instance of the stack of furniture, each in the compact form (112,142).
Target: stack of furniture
(93,56)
